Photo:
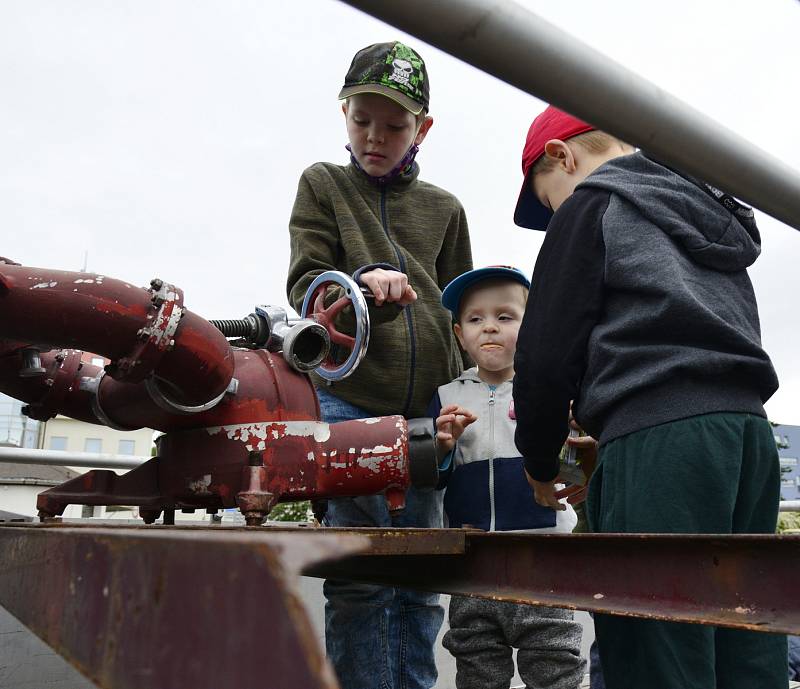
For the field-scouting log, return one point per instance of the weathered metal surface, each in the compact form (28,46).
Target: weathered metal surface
(169,608)
(199,606)
(142,331)
(745,582)
(740,581)
(268,389)
(256,465)
(252,443)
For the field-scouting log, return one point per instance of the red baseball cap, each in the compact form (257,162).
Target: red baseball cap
(552,123)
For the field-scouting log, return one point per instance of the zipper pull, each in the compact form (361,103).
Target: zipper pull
(491,396)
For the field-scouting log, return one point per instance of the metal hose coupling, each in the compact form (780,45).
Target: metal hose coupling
(304,343)
(423,462)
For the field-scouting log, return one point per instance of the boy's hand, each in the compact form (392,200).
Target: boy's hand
(586,447)
(450,424)
(544,493)
(389,286)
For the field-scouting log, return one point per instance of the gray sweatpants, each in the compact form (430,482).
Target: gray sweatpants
(483,633)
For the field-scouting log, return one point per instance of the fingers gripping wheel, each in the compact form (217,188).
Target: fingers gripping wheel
(314,308)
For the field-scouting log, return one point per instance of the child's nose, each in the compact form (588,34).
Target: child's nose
(375,135)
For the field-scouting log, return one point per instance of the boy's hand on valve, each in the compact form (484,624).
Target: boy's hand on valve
(450,424)
(389,286)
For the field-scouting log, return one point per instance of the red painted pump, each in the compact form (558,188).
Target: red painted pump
(240,419)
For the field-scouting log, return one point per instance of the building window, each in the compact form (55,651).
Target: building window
(781,441)
(127,447)
(93,445)
(58,442)
(788,461)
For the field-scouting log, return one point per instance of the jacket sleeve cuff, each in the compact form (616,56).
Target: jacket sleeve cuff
(371,266)
(445,469)
(543,471)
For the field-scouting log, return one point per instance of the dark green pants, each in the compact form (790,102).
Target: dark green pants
(715,473)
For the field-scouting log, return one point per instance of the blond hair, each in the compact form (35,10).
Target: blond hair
(593,141)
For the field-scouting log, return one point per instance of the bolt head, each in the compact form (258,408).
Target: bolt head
(156,283)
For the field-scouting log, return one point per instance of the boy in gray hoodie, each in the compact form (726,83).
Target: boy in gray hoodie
(642,312)
(485,488)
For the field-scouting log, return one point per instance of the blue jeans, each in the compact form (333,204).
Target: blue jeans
(378,637)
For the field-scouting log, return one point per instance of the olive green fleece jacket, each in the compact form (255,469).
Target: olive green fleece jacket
(342,221)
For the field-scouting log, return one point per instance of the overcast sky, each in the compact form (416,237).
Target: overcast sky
(166,138)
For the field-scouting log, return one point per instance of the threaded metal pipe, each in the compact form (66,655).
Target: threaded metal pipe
(242,327)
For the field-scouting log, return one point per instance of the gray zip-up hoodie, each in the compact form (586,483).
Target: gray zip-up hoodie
(484,475)
(641,310)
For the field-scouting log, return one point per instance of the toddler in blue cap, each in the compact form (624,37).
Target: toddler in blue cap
(483,476)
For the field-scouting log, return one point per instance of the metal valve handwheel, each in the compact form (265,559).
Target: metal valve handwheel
(314,308)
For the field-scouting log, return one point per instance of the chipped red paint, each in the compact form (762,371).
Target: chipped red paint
(110,317)
(208,468)
(170,370)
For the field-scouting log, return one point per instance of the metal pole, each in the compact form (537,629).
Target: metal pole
(515,45)
(71,459)
(789,506)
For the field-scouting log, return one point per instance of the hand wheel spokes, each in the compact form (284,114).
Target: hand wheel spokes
(314,308)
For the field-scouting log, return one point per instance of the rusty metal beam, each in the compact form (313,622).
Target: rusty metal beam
(744,582)
(173,607)
(170,609)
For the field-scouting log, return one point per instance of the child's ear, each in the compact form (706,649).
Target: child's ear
(427,123)
(344,107)
(459,335)
(558,149)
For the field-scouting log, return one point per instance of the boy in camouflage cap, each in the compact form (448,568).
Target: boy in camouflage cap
(405,240)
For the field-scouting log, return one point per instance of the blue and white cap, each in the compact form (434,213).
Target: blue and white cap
(451,296)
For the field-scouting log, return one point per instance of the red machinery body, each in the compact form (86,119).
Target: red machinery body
(241,426)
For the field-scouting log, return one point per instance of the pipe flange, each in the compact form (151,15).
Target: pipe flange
(155,339)
(163,401)
(59,382)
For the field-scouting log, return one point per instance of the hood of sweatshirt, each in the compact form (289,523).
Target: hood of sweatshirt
(720,235)
(470,374)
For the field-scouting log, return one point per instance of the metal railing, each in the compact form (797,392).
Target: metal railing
(513,44)
(61,458)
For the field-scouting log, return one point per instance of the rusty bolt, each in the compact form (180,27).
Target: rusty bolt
(254,518)
(156,284)
(48,382)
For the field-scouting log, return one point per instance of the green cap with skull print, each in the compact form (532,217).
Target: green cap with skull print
(390,69)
